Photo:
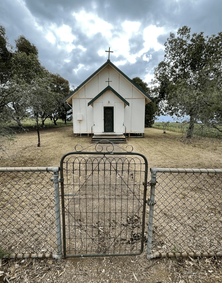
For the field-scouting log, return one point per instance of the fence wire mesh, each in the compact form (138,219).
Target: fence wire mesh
(187,212)
(27,211)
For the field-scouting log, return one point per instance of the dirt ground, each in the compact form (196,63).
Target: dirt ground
(161,150)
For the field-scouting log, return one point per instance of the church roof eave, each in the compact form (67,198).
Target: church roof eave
(103,91)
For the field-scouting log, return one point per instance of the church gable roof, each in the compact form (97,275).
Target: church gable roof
(96,72)
(103,91)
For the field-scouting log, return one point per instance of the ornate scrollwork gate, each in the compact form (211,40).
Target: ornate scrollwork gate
(103,201)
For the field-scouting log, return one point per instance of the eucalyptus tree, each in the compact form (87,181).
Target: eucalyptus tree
(5,56)
(60,86)
(189,78)
(24,69)
(26,86)
(42,101)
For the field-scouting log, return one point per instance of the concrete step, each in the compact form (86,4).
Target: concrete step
(114,139)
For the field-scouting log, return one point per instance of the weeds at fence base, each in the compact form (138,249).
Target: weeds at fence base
(3,253)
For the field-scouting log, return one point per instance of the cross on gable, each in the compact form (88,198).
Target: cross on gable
(109,53)
(108,81)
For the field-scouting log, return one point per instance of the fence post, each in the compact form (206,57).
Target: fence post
(57,212)
(151,202)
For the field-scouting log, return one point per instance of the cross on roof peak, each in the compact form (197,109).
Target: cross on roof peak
(109,53)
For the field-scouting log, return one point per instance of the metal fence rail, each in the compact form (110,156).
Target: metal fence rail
(30,212)
(185,216)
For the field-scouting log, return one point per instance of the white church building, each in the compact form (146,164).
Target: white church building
(108,103)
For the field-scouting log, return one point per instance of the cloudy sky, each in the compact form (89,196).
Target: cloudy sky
(72,35)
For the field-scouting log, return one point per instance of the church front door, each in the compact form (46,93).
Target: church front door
(108,120)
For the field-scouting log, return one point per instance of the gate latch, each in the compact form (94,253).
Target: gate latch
(150,202)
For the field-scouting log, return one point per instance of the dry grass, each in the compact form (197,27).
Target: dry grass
(161,150)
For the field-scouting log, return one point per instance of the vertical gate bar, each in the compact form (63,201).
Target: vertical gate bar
(151,203)
(57,213)
(63,207)
(144,201)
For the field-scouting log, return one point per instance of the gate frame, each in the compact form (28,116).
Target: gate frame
(99,151)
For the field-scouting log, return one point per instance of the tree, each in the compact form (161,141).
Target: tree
(42,101)
(24,45)
(5,57)
(150,108)
(24,69)
(60,86)
(17,107)
(26,87)
(188,76)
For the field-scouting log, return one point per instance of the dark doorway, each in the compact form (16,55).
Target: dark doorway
(108,120)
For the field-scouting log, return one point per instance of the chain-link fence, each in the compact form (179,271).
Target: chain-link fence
(185,215)
(29,212)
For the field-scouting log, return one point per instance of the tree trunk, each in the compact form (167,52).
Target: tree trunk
(191,127)
(38,133)
(43,123)
(37,128)
(18,121)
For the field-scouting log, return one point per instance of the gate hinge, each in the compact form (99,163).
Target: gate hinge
(150,202)
(61,180)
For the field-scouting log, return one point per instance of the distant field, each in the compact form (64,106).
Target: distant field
(30,124)
(200,130)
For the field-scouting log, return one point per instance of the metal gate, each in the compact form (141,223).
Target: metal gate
(103,201)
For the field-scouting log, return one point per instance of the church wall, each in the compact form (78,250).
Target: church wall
(82,116)
(134,116)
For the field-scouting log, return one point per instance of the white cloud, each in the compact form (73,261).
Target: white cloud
(131,27)
(91,24)
(65,33)
(80,66)
(62,36)
(120,43)
(50,37)
(148,78)
(147,58)
(150,35)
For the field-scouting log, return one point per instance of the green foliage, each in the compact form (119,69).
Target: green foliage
(61,86)
(150,108)
(5,57)
(3,253)
(189,77)
(23,45)
(26,68)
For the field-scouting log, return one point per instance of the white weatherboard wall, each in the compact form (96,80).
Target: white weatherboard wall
(90,119)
